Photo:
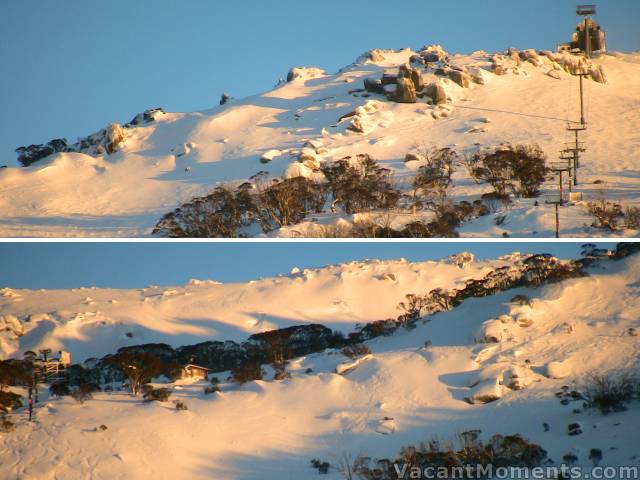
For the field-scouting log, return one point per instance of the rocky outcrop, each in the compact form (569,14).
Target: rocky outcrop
(304,73)
(113,138)
(147,116)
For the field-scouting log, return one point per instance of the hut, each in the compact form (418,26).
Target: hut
(195,371)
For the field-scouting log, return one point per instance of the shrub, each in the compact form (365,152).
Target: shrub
(606,214)
(6,425)
(247,371)
(84,392)
(360,185)
(595,455)
(59,389)
(9,401)
(287,202)
(522,300)
(13,373)
(609,393)
(632,217)
(520,169)
(499,451)
(495,201)
(433,179)
(322,467)
(180,406)
(356,350)
(157,395)
(211,389)
(220,214)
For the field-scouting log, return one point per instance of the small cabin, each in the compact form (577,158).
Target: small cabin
(195,371)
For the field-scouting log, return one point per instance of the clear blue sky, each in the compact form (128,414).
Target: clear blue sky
(69,67)
(69,265)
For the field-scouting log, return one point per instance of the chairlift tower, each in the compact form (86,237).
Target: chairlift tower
(557,199)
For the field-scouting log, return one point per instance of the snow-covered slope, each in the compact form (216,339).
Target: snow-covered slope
(92,322)
(178,156)
(405,393)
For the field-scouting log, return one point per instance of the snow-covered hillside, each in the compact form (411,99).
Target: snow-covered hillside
(178,156)
(417,385)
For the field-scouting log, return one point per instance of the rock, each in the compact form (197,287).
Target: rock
(491,332)
(436,92)
(461,78)
(499,69)
(405,70)
(430,57)
(531,56)
(476,75)
(308,158)
(373,85)
(553,74)
(462,259)
(147,116)
(314,144)
(389,79)
(114,138)
(557,370)
(375,55)
(346,367)
(304,73)
(416,78)
(412,157)
(485,392)
(406,91)
(297,169)
(597,74)
(270,155)
(434,53)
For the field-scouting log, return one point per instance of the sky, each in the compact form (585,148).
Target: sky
(134,265)
(69,67)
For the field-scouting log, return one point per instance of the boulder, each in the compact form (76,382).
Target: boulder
(597,74)
(430,57)
(147,116)
(270,155)
(406,91)
(461,78)
(304,73)
(114,138)
(373,85)
(476,75)
(389,79)
(416,78)
(436,92)
(553,74)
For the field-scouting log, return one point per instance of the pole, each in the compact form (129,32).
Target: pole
(575,167)
(30,404)
(587,39)
(581,102)
(560,172)
(557,222)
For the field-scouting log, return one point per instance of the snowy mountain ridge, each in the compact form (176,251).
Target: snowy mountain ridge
(504,363)
(161,160)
